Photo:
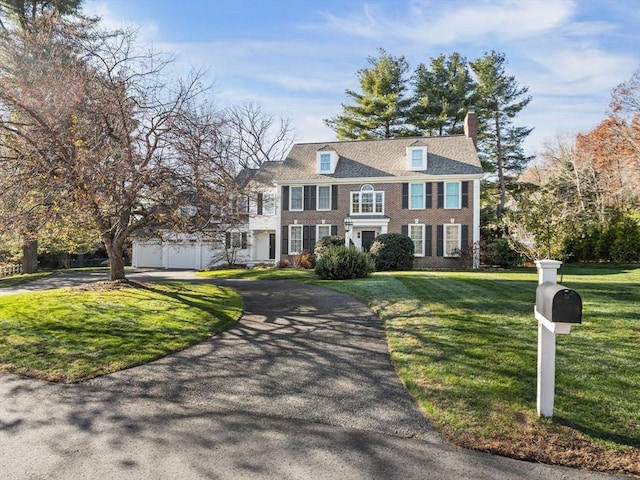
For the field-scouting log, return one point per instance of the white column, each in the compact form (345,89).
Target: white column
(547,272)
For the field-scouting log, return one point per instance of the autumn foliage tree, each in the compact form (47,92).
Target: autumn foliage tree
(594,183)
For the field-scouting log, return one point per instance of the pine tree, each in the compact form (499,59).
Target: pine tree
(499,99)
(444,93)
(380,110)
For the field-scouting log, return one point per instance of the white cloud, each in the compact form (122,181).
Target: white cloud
(110,20)
(507,19)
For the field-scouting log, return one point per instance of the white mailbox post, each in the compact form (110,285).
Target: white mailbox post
(557,308)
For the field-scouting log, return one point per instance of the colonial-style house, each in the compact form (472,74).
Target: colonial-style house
(425,187)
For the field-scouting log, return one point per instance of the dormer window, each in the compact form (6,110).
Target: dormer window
(416,158)
(326,161)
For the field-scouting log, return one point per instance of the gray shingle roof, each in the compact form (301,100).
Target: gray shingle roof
(446,155)
(264,176)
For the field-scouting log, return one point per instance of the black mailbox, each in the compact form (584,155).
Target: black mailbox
(558,304)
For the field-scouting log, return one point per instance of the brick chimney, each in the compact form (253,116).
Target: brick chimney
(471,127)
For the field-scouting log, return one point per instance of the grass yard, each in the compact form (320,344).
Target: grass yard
(465,345)
(70,335)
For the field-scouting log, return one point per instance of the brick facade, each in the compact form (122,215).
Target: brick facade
(397,217)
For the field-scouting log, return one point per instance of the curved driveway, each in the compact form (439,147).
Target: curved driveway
(300,387)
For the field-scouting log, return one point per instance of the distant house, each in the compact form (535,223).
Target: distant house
(425,187)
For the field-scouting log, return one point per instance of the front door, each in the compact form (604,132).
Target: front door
(367,239)
(272,246)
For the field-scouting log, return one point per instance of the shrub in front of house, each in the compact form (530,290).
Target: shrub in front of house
(392,251)
(326,242)
(339,262)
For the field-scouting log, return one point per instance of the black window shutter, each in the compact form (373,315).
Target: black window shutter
(428,195)
(464,237)
(334,229)
(428,247)
(405,195)
(305,237)
(440,240)
(285,199)
(334,197)
(465,194)
(309,197)
(312,238)
(244,240)
(227,240)
(285,239)
(440,194)
(404,230)
(259,201)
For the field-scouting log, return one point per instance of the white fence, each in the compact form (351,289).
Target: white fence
(8,269)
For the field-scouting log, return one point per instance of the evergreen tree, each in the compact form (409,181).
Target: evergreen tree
(444,93)
(24,12)
(380,110)
(499,99)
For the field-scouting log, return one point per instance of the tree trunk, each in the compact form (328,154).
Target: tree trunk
(30,254)
(502,184)
(116,262)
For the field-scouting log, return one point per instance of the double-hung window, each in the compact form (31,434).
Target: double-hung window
(268,203)
(416,196)
(452,240)
(323,231)
(416,158)
(416,233)
(296,199)
(452,195)
(295,239)
(325,162)
(367,200)
(324,198)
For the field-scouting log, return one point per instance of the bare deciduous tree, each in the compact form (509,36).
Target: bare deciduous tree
(92,120)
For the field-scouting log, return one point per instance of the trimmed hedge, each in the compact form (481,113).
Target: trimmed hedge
(339,262)
(392,251)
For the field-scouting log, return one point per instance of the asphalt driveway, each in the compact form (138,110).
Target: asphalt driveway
(301,387)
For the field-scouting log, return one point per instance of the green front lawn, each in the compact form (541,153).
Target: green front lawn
(465,345)
(69,335)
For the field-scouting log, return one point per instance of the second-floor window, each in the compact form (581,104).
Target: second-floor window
(324,198)
(296,198)
(367,200)
(268,203)
(452,195)
(416,196)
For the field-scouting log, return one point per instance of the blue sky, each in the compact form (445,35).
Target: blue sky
(297,57)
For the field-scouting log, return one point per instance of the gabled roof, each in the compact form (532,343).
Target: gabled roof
(263,176)
(446,155)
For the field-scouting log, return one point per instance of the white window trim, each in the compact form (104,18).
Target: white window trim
(423,229)
(333,161)
(444,240)
(360,192)
(318,198)
(293,251)
(291,209)
(318,227)
(423,196)
(410,166)
(459,207)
